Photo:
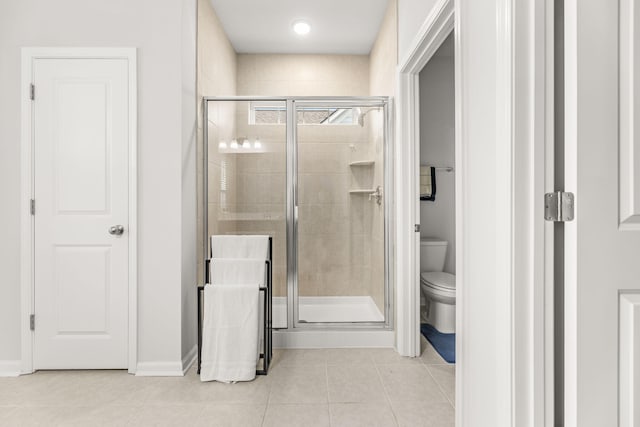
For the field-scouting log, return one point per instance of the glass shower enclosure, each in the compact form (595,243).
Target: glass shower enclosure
(315,174)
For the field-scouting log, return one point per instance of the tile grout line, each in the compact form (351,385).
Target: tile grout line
(386,393)
(439,386)
(266,407)
(326,377)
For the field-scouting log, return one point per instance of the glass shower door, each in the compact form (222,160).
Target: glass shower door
(340,234)
(246,171)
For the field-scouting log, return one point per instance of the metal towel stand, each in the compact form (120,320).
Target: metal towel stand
(267,342)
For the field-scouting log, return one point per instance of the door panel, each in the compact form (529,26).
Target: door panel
(602,245)
(73,265)
(81,178)
(629,116)
(82,186)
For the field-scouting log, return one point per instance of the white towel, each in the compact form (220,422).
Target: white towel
(230,333)
(239,246)
(233,271)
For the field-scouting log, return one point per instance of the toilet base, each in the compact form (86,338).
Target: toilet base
(441,316)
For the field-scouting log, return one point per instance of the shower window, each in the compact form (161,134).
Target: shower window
(269,113)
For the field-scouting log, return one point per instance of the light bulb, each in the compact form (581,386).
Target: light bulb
(246,144)
(301,27)
(257,143)
(222,144)
(234,144)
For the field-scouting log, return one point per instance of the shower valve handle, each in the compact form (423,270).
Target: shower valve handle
(377,194)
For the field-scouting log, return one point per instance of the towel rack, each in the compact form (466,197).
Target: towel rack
(441,168)
(267,290)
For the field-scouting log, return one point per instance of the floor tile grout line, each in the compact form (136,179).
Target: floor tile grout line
(439,386)
(386,394)
(326,377)
(268,403)
(266,407)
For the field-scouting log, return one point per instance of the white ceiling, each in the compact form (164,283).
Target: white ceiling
(337,26)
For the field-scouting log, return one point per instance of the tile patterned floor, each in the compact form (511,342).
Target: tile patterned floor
(333,387)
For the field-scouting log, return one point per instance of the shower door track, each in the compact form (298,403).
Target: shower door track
(293,325)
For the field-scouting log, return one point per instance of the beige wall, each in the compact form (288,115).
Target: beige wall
(382,81)
(216,77)
(303,75)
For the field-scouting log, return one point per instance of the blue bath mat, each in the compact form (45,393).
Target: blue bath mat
(445,344)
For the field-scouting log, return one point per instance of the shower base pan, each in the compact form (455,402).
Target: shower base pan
(328,310)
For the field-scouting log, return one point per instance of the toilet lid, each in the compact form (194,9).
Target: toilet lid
(438,279)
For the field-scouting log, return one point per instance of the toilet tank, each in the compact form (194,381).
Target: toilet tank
(433,252)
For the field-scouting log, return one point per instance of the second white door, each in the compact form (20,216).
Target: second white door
(81,130)
(602,244)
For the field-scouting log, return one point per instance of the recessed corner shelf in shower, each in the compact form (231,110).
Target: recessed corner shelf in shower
(362,163)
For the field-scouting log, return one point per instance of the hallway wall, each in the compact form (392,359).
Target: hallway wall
(216,76)
(155,28)
(411,16)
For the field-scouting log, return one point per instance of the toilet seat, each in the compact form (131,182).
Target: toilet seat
(439,281)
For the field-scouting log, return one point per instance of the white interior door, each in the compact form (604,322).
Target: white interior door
(602,244)
(80,125)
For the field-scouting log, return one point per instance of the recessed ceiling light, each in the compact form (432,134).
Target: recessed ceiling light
(301,27)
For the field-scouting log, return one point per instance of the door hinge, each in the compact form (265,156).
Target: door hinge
(416,228)
(32,322)
(559,206)
(33,207)
(32,92)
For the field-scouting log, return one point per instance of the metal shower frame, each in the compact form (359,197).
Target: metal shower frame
(291,154)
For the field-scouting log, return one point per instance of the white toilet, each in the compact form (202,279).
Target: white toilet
(438,287)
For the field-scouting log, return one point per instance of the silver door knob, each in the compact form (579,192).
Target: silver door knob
(116,230)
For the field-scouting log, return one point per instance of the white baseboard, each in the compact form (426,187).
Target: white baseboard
(167,369)
(159,369)
(189,359)
(10,368)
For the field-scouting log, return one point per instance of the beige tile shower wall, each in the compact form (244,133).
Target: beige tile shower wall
(382,81)
(261,190)
(332,223)
(216,76)
(303,75)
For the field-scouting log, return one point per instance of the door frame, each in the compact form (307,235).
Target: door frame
(524,89)
(436,28)
(27,178)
